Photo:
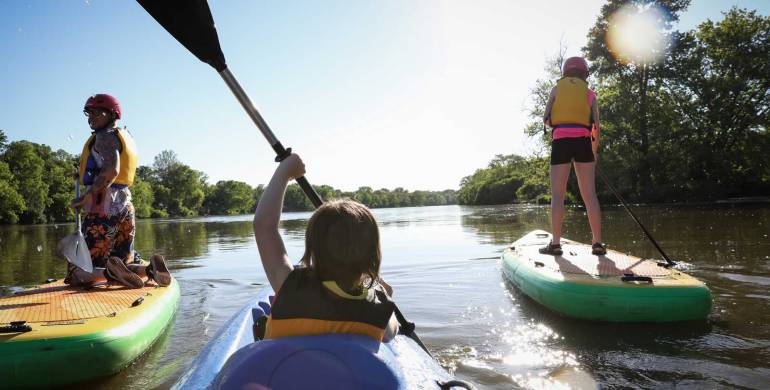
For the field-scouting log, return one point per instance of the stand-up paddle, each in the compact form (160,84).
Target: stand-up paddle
(191,23)
(669,262)
(74,246)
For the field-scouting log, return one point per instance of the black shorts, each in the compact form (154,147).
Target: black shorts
(564,150)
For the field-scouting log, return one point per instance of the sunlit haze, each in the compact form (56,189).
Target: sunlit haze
(637,35)
(371,93)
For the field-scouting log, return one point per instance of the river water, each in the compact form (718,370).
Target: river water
(443,263)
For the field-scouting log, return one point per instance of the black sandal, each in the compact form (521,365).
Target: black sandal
(599,249)
(551,249)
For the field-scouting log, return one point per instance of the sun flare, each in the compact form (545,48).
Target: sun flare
(636,34)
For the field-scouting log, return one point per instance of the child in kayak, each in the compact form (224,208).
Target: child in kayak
(337,287)
(573,113)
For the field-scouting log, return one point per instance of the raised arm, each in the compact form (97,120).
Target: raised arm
(275,260)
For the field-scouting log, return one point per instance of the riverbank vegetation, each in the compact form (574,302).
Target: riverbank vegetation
(690,126)
(36,187)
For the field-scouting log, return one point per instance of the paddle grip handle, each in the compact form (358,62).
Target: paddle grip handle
(280,154)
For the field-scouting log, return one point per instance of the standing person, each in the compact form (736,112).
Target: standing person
(107,167)
(337,287)
(573,113)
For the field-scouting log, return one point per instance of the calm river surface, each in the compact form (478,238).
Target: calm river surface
(444,268)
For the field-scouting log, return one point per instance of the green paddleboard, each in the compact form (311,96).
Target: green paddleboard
(616,287)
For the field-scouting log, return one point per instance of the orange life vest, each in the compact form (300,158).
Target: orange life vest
(128,158)
(306,306)
(570,105)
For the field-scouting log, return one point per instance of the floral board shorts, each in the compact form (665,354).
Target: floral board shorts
(110,235)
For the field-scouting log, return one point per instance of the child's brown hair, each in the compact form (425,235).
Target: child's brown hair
(342,243)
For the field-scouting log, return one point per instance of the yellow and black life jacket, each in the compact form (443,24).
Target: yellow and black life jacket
(128,160)
(571,106)
(306,306)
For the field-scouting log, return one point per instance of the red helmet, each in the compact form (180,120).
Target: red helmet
(104,101)
(578,63)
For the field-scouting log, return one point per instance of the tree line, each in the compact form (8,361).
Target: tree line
(36,186)
(692,126)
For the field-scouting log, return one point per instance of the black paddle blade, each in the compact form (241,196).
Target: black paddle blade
(190,22)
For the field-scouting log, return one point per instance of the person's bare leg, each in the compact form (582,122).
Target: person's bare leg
(587,183)
(559,177)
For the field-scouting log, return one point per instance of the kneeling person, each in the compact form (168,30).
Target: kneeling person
(107,167)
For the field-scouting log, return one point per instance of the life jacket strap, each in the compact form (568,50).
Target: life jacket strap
(571,125)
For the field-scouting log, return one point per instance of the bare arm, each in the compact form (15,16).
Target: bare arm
(272,251)
(548,106)
(391,330)
(595,132)
(108,146)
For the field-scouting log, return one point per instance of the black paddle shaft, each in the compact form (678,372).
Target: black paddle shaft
(634,217)
(280,151)
(191,23)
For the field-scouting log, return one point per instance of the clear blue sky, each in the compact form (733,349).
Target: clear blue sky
(391,93)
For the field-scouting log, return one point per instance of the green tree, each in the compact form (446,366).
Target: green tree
(718,88)
(11,202)
(164,162)
(3,141)
(178,190)
(28,181)
(58,168)
(230,197)
(639,82)
(539,94)
(182,191)
(142,197)
(295,199)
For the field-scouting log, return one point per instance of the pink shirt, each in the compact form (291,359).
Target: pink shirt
(575,132)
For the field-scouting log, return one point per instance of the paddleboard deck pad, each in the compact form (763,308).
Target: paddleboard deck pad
(615,287)
(55,334)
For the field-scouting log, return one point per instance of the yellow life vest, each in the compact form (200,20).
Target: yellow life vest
(128,158)
(305,306)
(570,105)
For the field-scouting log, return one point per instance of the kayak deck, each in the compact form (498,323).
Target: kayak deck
(233,358)
(615,287)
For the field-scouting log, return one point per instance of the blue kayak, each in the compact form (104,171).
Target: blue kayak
(236,359)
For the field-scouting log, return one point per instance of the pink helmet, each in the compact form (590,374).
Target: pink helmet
(578,63)
(104,101)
